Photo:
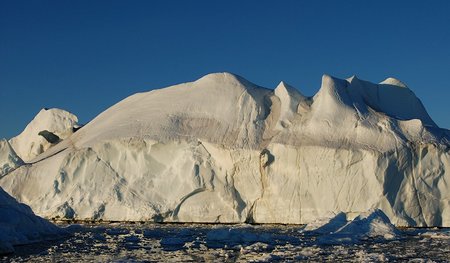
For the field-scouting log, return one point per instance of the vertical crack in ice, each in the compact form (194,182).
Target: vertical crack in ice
(240,205)
(265,159)
(299,189)
(416,157)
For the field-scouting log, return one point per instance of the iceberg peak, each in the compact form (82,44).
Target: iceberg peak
(225,78)
(29,143)
(394,82)
(331,84)
(352,78)
(285,88)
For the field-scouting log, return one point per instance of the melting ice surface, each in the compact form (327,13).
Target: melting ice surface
(367,238)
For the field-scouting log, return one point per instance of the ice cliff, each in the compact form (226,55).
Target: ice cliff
(221,149)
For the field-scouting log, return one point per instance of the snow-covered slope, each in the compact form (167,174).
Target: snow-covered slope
(221,149)
(30,144)
(19,225)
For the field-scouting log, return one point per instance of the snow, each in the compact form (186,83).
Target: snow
(30,144)
(175,113)
(224,150)
(19,225)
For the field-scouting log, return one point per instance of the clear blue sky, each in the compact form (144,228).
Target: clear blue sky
(84,56)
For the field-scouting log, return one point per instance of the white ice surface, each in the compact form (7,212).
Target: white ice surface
(8,158)
(30,144)
(221,149)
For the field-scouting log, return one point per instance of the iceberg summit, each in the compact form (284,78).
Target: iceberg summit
(224,150)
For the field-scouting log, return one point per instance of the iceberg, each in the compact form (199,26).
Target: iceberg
(224,150)
(372,224)
(20,226)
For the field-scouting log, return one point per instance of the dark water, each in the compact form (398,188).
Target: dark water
(227,243)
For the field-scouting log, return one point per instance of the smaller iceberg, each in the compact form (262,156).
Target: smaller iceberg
(20,226)
(373,224)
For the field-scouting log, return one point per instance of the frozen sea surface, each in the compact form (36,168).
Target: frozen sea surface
(119,242)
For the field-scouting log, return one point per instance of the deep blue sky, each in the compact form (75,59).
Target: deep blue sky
(84,56)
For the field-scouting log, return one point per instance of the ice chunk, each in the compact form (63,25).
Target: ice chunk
(19,225)
(373,224)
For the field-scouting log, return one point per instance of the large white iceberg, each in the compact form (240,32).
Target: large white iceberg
(221,149)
